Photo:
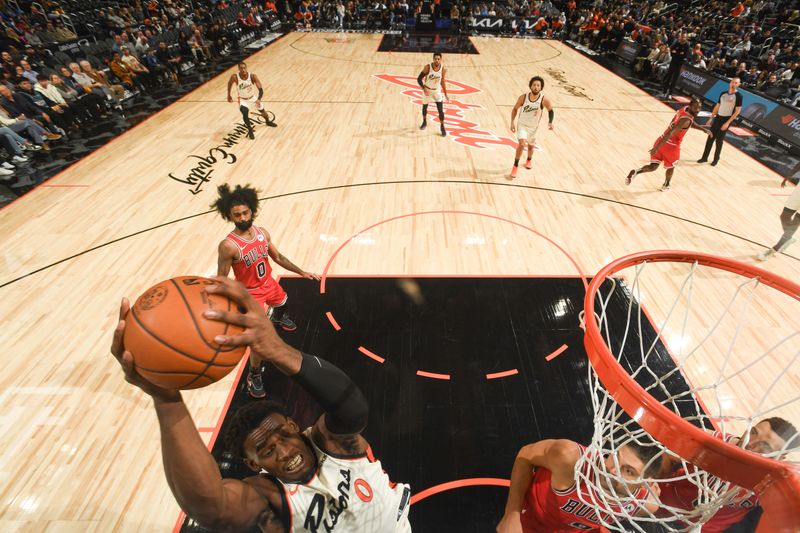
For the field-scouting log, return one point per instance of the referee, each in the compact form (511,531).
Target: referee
(727,108)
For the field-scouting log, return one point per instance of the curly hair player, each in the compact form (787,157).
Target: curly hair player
(247,249)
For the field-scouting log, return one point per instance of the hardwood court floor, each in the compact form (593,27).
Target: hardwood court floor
(81,449)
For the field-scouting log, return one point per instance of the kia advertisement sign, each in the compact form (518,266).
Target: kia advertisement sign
(488,23)
(771,119)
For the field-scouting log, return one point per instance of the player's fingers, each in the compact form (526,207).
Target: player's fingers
(126,361)
(229,317)
(124,307)
(235,291)
(116,342)
(242,339)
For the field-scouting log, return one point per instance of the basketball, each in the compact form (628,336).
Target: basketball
(172,343)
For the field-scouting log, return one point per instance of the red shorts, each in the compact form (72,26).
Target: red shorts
(668,155)
(270,294)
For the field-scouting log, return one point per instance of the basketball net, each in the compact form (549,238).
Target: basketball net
(734,343)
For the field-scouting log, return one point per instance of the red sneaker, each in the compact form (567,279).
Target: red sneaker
(513,172)
(528,164)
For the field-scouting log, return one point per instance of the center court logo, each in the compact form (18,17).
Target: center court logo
(460,130)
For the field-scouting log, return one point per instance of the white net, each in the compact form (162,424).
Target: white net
(720,350)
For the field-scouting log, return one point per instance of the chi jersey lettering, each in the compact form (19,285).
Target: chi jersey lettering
(433,80)
(252,268)
(531,111)
(349,496)
(562,511)
(677,138)
(245,86)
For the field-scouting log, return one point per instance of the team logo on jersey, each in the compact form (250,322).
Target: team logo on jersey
(260,237)
(459,129)
(323,514)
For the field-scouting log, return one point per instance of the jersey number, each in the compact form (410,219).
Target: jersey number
(261,269)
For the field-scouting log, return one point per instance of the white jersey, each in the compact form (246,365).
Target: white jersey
(348,495)
(433,81)
(531,111)
(246,87)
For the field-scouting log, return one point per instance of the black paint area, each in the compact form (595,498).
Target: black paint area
(431,431)
(443,43)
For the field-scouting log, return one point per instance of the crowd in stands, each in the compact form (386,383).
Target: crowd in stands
(755,41)
(69,63)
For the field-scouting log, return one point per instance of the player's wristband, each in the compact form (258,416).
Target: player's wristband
(550,115)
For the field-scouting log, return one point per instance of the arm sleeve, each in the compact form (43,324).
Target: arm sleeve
(419,79)
(346,409)
(738,99)
(550,115)
(260,93)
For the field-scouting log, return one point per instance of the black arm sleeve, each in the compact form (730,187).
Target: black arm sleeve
(260,92)
(419,79)
(346,409)
(550,115)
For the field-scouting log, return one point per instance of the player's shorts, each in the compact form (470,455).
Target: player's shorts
(432,96)
(270,294)
(668,155)
(251,103)
(527,133)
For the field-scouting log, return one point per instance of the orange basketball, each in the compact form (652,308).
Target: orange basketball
(172,343)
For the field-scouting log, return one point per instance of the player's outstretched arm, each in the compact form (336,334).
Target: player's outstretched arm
(550,113)
(520,101)
(346,409)
(226,253)
(191,472)
(231,83)
(258,85)
(422,75)
(558,456)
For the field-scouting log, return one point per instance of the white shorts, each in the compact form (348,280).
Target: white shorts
(432,96)
(527,133)
(251,103)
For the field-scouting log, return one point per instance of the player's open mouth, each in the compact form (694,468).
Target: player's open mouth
(294,463)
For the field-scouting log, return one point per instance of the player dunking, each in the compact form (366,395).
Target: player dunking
(321,479)
(250,93)
(530,107)
(432,81)
(667,148)
(247,249)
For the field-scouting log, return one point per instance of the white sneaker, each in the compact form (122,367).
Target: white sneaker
(19,159)
(5,172)
(8,166)
(664,188)
(766,254)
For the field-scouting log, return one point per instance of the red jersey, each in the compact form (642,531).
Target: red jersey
(682,494)
(252,268)
(677,138)
(546,509)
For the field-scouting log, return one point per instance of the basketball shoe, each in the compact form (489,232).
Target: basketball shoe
(255,385)
(528,164)
(286,323)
